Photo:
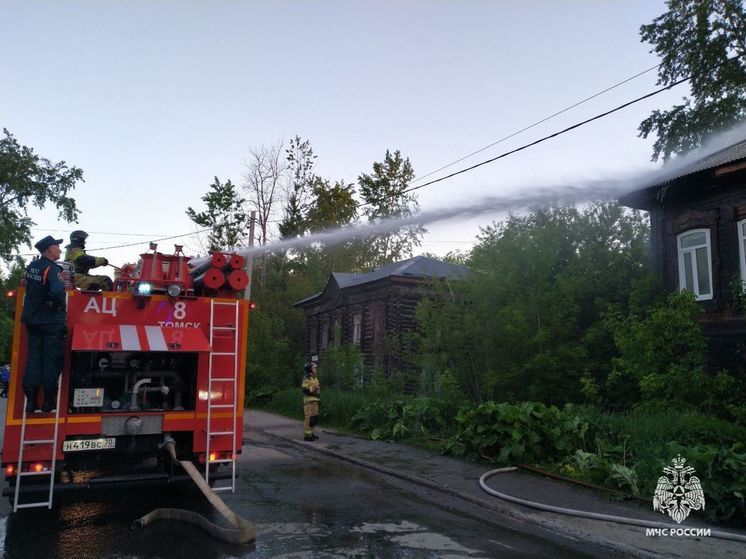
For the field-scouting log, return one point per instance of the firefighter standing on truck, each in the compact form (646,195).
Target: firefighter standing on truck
(44,314)
(82,264)
(311,398)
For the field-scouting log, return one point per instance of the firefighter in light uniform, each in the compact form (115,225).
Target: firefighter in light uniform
(44,314)
(82,264)
(311,398)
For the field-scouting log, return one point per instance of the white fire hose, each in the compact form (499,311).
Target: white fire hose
(242,531)
(586,514)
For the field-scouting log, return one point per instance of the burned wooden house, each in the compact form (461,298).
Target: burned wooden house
(698,237)
(371,309)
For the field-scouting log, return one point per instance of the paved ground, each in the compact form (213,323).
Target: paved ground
(454,479)
(304,505)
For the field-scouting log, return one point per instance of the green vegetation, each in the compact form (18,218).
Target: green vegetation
(559,351)
(28,180)
(703,38)
(621,450)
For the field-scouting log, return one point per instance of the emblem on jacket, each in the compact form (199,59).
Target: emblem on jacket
(679,491)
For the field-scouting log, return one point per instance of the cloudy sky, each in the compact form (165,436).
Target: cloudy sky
(152,99)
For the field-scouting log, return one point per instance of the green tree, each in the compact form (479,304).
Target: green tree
(527,323)
(332,205)
(224,215)
(28,179)
(300,161)
(690,38)
(385,197)
(9,285)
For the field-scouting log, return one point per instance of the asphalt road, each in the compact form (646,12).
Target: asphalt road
(304,506)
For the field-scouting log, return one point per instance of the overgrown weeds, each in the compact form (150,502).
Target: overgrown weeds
(625,451)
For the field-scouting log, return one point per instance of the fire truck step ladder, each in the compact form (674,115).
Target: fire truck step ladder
(222,375)
(52,443)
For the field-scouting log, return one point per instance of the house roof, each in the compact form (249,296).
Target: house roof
(687,173)
(419,267)
(730,154)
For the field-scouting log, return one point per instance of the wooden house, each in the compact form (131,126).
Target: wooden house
(368,309)
(698,240)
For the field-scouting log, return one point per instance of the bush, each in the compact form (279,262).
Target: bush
(664,352)
(342,367)
(403,418)
(722,473)
(513,433)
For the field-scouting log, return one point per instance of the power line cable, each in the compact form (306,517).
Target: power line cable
(99,232)
(129,244)
(151,241)
(537,123)
(573,127)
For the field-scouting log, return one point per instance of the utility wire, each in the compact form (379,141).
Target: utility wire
(151,241)
(151,235)
(127,245)
(573,127)
(537,123)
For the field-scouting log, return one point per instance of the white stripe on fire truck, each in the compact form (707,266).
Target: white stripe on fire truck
(130,342)
(156,341)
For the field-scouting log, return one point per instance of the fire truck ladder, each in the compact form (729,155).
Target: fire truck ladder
(52,443)
(227,377)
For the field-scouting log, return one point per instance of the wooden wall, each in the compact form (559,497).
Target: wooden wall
(387,308)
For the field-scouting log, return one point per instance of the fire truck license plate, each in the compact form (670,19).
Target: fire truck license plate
(88,444)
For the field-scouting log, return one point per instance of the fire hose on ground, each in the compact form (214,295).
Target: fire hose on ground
(241,531)
(586,514)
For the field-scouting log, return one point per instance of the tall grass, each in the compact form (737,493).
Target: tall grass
(645,432)
(337,409)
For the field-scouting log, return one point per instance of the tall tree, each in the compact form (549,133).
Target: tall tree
(332,205)
(300,163)
(28,179)
(264,174)
(385,197)
(224,216)
(692,37)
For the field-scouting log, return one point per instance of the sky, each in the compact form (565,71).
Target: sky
(153,99)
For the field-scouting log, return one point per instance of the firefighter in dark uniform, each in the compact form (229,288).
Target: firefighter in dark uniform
(311,398)
(82,264)
(44,314)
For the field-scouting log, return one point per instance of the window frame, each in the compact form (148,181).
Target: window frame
(357,328)
(693,251)
(337,332)
(324,333)
(742,250)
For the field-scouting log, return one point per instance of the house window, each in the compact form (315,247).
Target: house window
(337,333)
(742,249)
(695,269)
(357,328)
(324,335)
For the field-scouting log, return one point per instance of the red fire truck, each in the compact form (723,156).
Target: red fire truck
(161,356)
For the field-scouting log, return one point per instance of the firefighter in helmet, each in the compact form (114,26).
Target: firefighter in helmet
(82,263)
(311,398)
